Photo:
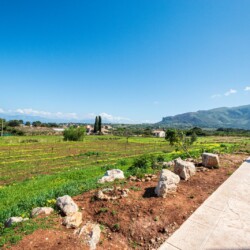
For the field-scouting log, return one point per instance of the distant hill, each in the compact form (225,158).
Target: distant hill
(236,117)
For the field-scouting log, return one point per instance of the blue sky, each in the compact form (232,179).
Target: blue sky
(131,61)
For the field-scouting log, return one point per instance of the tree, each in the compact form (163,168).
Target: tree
(74,134)
(27,123)
(100,124)
(179,139)
(13,123)
(96,124)
(36,124)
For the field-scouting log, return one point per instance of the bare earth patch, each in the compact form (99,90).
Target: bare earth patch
(141,220)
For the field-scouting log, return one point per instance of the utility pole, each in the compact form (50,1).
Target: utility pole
(2,128)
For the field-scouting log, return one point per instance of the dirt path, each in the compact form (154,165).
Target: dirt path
(140,221)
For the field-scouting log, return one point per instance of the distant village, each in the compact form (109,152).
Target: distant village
(20,127)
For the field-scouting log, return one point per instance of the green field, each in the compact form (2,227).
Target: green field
(35,170)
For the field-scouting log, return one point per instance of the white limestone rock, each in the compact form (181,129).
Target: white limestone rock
(210,160)
(41,211)
(167,183)
(66,204)
(111,175)
(184,169)
(73,220)
(90,233)
(13,220)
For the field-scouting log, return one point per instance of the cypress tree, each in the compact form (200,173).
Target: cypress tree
(96,124)
(100,124)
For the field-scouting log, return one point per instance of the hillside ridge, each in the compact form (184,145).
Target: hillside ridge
(223,117)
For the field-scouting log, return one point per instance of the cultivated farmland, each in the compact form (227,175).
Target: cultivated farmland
(35,170)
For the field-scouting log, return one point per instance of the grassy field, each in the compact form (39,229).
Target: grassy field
(35,170)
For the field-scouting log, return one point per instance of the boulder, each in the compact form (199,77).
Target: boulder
(210,160)
(13,220)
(111,175)
(184,169)
(66,204)
(167,183)
(41,211)
(73,220)
(90,233)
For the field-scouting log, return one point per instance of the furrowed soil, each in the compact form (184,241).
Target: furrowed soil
(141,220)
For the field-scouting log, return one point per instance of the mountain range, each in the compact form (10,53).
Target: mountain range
(235,117)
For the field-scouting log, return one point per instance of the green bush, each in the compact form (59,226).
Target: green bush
(74,134)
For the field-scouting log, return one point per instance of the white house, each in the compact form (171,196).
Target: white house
(159,133)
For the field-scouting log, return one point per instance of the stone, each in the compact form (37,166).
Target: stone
(210,160)
(13,220)
(112,175)
(73,220)
(168,164)
(66,204)
(167,183)
(90,233)
(112,194)
(41,211)
(184,169)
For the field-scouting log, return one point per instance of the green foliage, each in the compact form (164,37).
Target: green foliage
(36,124)
(103,210)
(179,139)
(14,123)
(100,124)
(160,158)
(142,165)
(74,134)
(13,234)
(116,227)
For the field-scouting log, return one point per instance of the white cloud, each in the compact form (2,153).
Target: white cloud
(216,96)
(45,114)
(112,118)
(230,92)
(247,88)
(68,116)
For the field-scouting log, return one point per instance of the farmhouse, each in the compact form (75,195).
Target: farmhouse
(159,133)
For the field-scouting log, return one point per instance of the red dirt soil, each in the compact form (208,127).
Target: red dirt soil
(140,221)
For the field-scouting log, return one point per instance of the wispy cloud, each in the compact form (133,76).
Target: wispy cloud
(45,114)
(65,116)
(230,92)
(114,118)
(215,96)
(247,88)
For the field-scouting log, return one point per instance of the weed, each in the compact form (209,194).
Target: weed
(134,188)
(114,212)
(103,210)
(116,227)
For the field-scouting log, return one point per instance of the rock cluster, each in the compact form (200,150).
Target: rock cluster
(111,175)
(168,164)
(147,177)
(112,193)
